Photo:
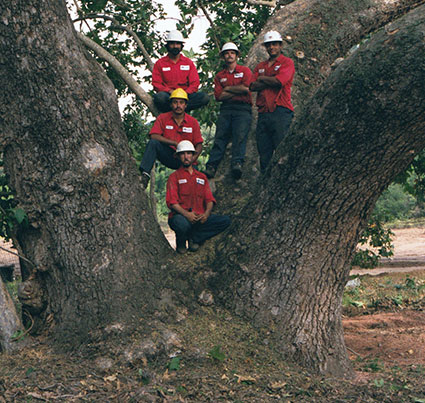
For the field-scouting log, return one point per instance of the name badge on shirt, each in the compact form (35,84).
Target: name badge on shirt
(187,130)
(238,75)
(166,68)
(261,70)
(222,80)
(182,181)
(277,67)
(200,181)
(169,127)
(184,67)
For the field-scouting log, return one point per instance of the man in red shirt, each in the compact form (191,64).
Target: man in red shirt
(231,88)
(190,200)
(168,130)
(176,71)
(272,79)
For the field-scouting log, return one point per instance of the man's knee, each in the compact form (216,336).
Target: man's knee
(179,224)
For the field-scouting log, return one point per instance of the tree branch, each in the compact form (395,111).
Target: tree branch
(204,10)
(269,3)
(121,70)
(125,28)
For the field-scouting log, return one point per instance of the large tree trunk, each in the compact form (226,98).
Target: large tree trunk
(316,33)
(92,239)
(285,264)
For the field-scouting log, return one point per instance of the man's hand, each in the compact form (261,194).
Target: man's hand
(202,217)
(191,217)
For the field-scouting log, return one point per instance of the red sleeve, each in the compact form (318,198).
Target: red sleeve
(172,195)
(247,77)
(157,79)
(193,79)
(197,136)
(255,74)
(218,88)
(286,71)
(158,126)
(208,196)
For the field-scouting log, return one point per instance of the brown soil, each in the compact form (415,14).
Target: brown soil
(392,338)
(377,343)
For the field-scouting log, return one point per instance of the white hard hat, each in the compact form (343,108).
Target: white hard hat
(229,46)
(272,36)
(175,36)
(185,145)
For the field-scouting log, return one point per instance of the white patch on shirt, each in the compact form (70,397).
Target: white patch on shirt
(200,181)
(238,75)
(169,127)
(166,69)
(222,80)
(182,181)
(277,67)
(261,70)
(187,130)
(184,67)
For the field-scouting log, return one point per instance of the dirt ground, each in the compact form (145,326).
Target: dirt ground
(387,339)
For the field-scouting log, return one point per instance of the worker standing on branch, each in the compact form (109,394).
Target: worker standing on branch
(231,88)
(168,130)
(176,71)
(190,200)
(273,80)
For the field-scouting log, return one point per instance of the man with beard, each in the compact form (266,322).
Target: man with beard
(273,80)
(168,130)
(176,71)
(231,88)
(190,200)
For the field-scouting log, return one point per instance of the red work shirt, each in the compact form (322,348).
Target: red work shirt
(190,191)
(240,76)
(166,126)
(167,75)
(283,69)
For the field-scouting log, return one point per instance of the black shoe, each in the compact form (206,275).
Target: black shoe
(180,245)
(181,250)
(193,246)
(237,170)
(210,171)
(145,179)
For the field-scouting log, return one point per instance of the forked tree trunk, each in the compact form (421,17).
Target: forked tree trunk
(92,238)
(285,265)
(316,33)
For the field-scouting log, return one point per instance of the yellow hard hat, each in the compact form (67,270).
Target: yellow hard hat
(179,93)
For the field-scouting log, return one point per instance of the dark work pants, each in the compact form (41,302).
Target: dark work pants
(196,100)
(271,128)
(155,150)
(198,232)
(234,125)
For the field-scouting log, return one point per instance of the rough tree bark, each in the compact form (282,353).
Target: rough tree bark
(96,247)
(286,266)
(316,34)
(92,238)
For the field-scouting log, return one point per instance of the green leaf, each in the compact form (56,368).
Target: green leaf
(98,5)
(174,364)
(217,354)
(20,215)
(379,383)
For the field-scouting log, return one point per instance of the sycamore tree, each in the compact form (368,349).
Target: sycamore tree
(97,254)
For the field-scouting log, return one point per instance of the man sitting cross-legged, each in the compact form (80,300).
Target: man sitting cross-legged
(190,200)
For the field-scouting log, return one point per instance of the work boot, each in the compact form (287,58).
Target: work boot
(145,179)
(193,246)
(237,170)
(180,245)
(210,171)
